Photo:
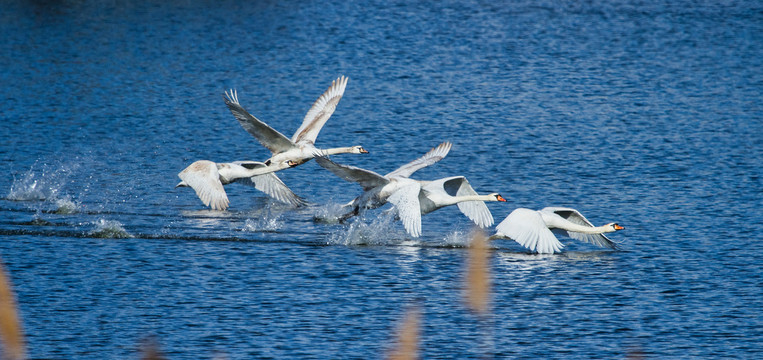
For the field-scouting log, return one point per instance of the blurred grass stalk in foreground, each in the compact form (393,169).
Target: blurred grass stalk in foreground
(407,344)
(149,349)
(10,327)
(477,291)
(477,280)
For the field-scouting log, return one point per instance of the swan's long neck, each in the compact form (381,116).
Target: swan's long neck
(462,198)
(230,173)
(264,170)
(588,229)
(339,150)
(441,201)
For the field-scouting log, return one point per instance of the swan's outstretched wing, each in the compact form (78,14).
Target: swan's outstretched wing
(527,228)
(266,135)
(476,211)
(270,184)
(202,177)
(576,217)
(406,200)
(366,178)
(432,156)
(320,112)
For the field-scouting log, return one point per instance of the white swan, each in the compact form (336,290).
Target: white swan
(301,147)
(414,198)
(535,229)
(457,190)
(207,179)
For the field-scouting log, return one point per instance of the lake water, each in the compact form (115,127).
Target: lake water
(646,113)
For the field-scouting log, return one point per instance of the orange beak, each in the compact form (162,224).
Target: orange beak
(500,198)
(363,151)
(618,227)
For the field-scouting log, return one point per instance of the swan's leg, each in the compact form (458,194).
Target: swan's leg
(355,212)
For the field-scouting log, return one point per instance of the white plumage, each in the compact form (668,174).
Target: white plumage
(413,198)
(536,230)
(207,178)
(301,147)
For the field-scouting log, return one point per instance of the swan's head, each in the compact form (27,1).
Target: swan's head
(498,197)
(615,226)
(358,150)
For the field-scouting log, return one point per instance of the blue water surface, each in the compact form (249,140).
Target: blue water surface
(644,113)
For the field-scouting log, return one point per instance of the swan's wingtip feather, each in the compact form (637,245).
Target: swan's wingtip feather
(342,81)
(231,96)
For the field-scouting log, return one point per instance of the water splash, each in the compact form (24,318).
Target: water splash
(457,238)
(330,213)
(43,184)
(267,218)
(263,224)
(27,189)
(66,207)
(109,229)
(38,221)
(382,230)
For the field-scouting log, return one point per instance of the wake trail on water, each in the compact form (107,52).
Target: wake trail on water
(101,228)
(109,229)
(374,227)
(63,188)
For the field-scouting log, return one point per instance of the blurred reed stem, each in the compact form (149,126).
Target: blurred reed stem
(477,282)
(10,327)
(149,349)
(407,342)
(477,290)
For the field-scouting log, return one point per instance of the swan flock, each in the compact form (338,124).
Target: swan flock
(411,198)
